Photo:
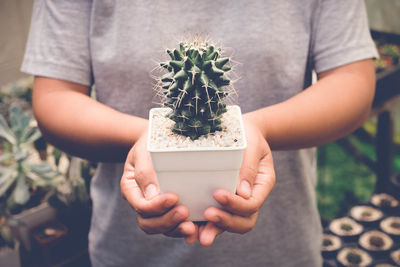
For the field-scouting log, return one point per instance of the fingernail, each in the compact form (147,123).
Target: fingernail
(245,188)
(150,191)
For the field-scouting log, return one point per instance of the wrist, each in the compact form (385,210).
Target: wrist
(257,119)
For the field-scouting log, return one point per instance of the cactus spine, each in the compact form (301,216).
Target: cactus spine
(194,88)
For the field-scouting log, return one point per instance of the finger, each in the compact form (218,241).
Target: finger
(208,233)
(146,208)
(186,229)
(236,204)
(262,187)
(249,168)
(229,222)
(145,175)
(164,223)
(265,179)
(190,239)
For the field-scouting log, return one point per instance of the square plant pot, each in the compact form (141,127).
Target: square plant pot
(29,219)
(194,173)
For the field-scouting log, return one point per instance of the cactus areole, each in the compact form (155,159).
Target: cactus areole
(194,88)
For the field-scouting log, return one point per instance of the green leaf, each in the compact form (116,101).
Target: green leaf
(31,136)
(21,191)
(20,155)
(7,178)
(18,119)
(5,233)
(5,156)
(43,170)
(5,131)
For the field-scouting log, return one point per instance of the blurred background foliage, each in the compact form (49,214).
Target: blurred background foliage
(342,180)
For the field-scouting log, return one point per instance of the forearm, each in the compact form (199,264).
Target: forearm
(77,124)
(331,108)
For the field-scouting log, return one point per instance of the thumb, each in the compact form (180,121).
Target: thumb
(248,172)
(144,173)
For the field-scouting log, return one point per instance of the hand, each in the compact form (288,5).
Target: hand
(156,213)
(239,211)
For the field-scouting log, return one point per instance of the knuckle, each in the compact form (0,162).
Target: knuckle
(252,210)
(248,172)
(139,210)
(141,174)
(145,227)
(245,230)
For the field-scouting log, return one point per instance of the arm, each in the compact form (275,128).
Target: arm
(338,103)
(331,108)
(72,121)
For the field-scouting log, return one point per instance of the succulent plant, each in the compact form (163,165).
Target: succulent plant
(194,88)
(18,174)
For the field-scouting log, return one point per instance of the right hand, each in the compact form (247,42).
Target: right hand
(156,212)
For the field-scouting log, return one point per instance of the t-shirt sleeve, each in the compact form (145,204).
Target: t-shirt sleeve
(58,42)
(340,34)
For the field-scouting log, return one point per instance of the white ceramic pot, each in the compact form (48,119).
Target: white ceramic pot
(195,173)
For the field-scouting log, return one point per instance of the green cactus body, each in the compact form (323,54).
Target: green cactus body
(194,88)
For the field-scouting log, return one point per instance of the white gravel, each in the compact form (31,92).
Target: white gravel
(162,137)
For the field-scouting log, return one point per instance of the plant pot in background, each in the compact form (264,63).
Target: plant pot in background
(10,257)
(376,243)
(354,257)
(395,257)
(366,215)
(195,172)
(391,226)
(29,219)
(346,228)
(385,202)
(330,245)
(50,240)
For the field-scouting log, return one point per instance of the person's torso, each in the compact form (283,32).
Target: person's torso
(268,42)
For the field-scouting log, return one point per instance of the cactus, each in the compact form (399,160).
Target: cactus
(194,88)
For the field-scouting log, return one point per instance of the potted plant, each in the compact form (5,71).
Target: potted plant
(391,226)
(196,141)
(354,257)
(26,181)
(71,198)
(376,242)
(50,240)
(366,215)
(330,245)
(395,257)
(346,228)
(385,202)
(9,247)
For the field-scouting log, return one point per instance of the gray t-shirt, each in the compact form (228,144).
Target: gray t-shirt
(115,45)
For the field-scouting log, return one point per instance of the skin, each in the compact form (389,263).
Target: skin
(331,108)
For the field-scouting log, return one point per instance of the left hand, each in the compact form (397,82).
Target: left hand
(239,211)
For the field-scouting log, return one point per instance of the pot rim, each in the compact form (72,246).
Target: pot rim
(195,149)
